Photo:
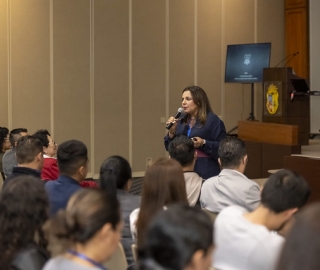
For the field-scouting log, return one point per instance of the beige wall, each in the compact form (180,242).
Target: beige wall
(105,72)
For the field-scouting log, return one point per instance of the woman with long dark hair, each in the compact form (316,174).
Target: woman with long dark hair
(116,178)
(203,126)
(163,185)
(179,238)
(23,211)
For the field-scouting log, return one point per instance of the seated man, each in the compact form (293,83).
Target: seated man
(231,186)
(29,153)
(9,158)
(181,148)
(73,166)
(247,240)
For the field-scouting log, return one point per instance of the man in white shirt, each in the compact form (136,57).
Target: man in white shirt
(231,186)
(181,148)
(248,240)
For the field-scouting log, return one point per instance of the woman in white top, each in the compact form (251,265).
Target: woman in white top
(87,233)
(163,185)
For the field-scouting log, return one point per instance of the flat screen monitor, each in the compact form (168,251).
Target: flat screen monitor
(245,62)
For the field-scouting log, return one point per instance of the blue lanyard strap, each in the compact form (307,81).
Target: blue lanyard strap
(84,257)
(189,130)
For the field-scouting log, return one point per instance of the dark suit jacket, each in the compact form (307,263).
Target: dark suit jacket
(60,191)
(20,171)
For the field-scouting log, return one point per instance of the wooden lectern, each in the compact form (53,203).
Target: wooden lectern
(267,144)
(278,106)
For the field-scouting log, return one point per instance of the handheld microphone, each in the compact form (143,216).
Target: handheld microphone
(179,112)
(292,54)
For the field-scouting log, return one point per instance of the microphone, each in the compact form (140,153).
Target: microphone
(179,112)
(286,63)
(292,54)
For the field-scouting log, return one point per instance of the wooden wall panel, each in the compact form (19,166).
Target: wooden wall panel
(297,40)
(209,71)
(30,64)
(4,54)
(71,69)
(238,29)
(181,51)
(296,3)
(148,80)
(111,80)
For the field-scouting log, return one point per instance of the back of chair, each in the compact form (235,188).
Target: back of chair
(118,260)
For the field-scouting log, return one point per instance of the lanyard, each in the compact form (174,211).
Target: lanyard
(84,257)
(189,130)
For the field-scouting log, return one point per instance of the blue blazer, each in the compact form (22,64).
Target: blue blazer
(213,131)
(60,191)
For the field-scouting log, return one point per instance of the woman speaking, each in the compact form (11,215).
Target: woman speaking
(203,126)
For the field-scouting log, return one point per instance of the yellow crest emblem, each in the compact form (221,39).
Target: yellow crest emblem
(272,99)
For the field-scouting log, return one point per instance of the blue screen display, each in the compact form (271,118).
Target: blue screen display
(245,62)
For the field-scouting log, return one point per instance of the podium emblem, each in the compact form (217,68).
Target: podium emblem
(272,98)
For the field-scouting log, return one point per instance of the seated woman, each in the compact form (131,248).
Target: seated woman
(302,246)
(115,176)
(163,185)
(178,238)
(50,169)
(87,233)
(23,211)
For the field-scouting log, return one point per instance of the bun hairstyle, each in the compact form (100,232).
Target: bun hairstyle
(115,172)
(86,213)
(174,236)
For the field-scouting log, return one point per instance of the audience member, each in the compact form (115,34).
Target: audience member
(50,169)
(248,240)
(178,238)
(4,145)
(73,165)
(23,211)
(9,159)
(163,185)
(301,250)
(116,177)
(231,186)
(87,233)
(181,148)
(29,157)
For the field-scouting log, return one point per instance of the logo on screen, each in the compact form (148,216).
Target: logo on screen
(247,58)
